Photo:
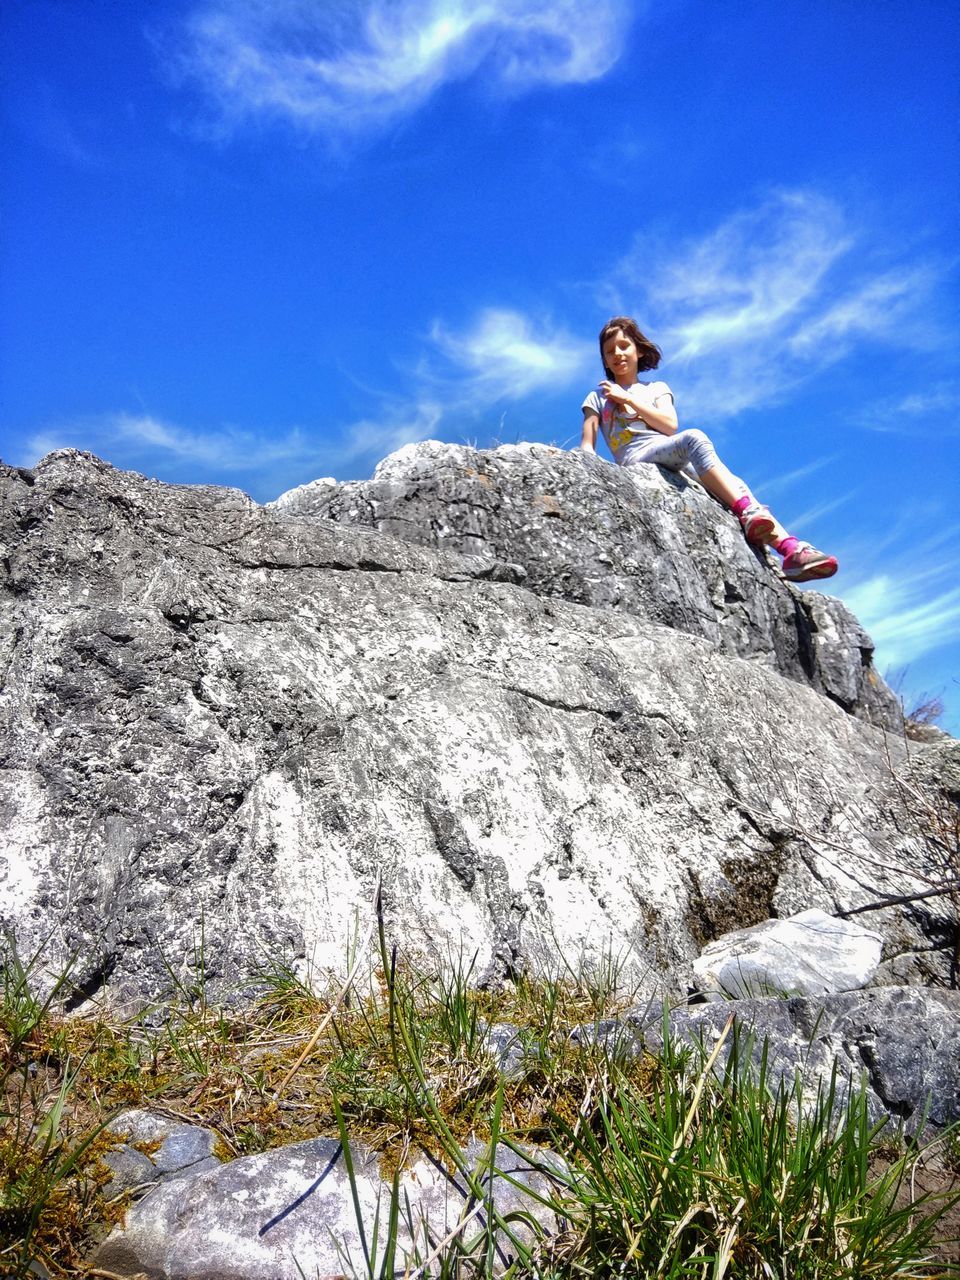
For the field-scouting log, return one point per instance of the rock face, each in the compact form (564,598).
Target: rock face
(643,542)
(902,1044)
(222,721)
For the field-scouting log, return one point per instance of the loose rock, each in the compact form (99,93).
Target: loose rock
(156,1149)
(291,1212)
(809,954)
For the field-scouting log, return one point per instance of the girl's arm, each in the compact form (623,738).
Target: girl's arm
(591,423)
(659,413)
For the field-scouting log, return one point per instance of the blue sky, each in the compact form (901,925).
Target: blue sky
(255,243)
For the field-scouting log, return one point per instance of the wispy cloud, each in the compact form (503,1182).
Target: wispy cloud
(145,441)
(132,435)
(504,354)
(904,621)
(875,309)
(911,604)
(810,515)
(39,112)
(750,275)
(499,355)
(342,66)
(373,438)
(936,407)
(768,299)
(787,479)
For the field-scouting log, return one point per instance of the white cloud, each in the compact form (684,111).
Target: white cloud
(936,407)
(375,437)
(876,309)
(47,441)
(749,276)
(44,118)
(810,515)
(767,300)
(138,435)
(340,66)
(231,449)
(505,354)
(903,621)
(909,603)
(145,441)
(946,396)
(500,355)
(787,479)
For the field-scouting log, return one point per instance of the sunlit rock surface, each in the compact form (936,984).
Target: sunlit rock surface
(644,542)
(222,722)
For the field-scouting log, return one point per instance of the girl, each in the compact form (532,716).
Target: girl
(639,423)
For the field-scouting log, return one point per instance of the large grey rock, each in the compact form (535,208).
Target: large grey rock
(809,954)
(221,723)
(642,541)
(902,1043)
(290,1213)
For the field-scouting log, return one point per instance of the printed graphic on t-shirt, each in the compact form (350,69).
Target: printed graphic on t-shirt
(618,429)
(624,433)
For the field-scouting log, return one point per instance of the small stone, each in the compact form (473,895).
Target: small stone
(156,1148)
(503,1043)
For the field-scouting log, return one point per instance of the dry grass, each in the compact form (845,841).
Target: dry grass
(240,1071)
(403,1064)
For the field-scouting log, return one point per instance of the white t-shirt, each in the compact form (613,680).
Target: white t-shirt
(620,428)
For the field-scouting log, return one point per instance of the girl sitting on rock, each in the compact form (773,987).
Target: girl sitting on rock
(639,424)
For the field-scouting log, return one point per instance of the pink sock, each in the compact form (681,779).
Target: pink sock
(741,504)
(787,544)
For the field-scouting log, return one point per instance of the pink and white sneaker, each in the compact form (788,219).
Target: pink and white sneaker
(806,563)
(758,524)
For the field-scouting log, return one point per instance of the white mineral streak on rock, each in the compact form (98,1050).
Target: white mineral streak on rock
(22,798)
(810,954)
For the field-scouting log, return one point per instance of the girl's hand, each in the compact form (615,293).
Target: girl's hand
(613,391)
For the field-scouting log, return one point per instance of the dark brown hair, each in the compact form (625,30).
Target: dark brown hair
(649,354)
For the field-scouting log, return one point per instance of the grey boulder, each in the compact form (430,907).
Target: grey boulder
(291,1213)
(901,1043)
(156,1148)
(809,954)
(222,722)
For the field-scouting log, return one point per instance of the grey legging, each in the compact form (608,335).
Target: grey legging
(673,452)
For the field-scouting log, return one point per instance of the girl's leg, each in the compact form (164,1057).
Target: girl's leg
(801,562)
(730,489)
(696,448)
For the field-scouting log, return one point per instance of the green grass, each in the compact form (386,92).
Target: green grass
(674,1167)
(706,1175)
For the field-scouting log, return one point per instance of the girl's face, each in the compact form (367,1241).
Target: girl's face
(620,356)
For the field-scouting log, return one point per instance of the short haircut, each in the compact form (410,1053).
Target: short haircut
(648,352)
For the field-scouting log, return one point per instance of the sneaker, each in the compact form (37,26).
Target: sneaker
(757,523)
(805,563)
